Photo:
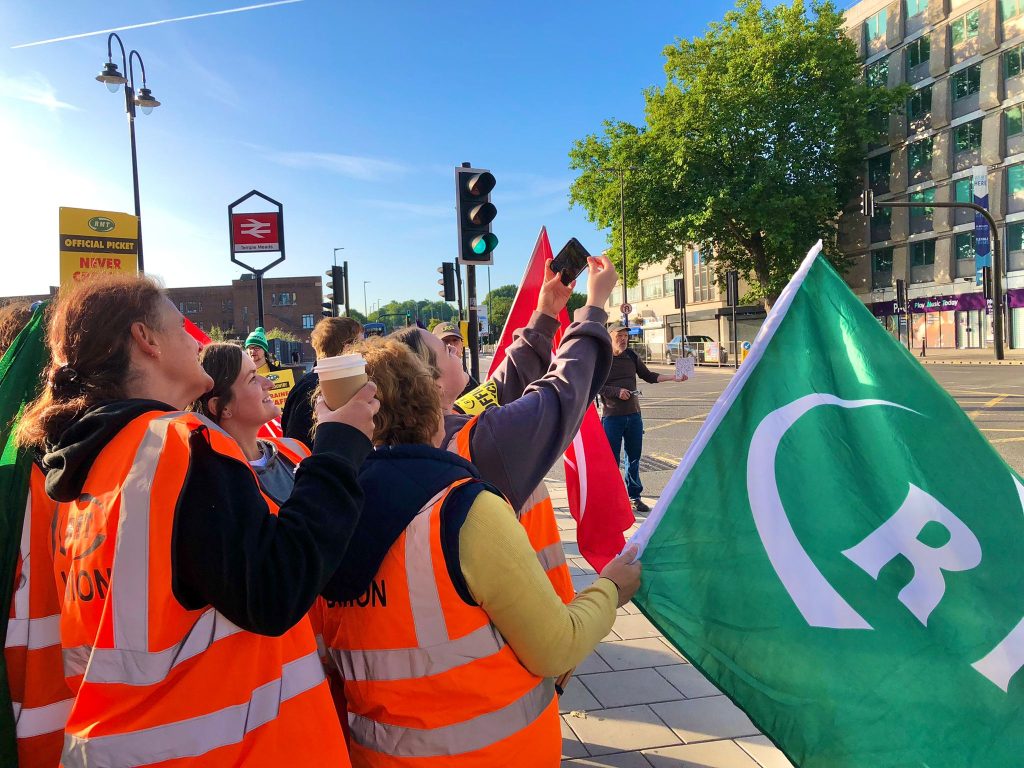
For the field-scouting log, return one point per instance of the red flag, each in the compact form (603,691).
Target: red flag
(597,493)
(271,428)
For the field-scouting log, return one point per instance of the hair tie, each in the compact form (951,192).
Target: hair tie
(66,383)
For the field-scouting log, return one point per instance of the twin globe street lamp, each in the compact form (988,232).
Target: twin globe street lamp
(112,77)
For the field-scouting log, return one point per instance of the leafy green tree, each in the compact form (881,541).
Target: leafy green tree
(576,300)
(750,150)
(281,333)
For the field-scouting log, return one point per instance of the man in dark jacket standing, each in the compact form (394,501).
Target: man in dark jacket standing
(620,414)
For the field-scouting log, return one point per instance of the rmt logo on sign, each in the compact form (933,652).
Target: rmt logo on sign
(101,224)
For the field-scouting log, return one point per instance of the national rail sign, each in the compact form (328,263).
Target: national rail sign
(255,232)
(94,242)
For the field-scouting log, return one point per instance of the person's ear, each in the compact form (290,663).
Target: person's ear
(145,339)
(214,405)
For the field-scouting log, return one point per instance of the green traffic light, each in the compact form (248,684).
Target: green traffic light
(484,244)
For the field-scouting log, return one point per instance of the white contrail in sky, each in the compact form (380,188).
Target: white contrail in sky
(157,23)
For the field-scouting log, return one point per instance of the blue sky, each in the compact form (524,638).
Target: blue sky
(353,115)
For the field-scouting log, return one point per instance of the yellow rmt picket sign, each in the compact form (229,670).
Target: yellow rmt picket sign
(479,400)
(97,241)
(282,382)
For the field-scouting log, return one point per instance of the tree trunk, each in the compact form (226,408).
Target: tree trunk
(761,270)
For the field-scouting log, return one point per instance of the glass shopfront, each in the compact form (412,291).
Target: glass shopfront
(962,321)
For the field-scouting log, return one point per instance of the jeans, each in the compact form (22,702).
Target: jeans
(628,429)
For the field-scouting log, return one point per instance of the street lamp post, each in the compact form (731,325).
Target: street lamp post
(112,78)
(366,307)
(622,229)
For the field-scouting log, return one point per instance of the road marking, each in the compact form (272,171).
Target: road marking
(990,404)
(1008,440)
(687,420)
(996,401)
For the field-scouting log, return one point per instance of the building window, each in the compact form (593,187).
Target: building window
(227,306)
(651,288)
(920,154)
(964,246)
(967,137)
(877,75)
(1014,121)
(702,277)
(1011,9)
(881,262)
(881,225)
(283,299)
(966,82)
(919,51)
(1015,236)
(670,284)
(307,322)
(964,190)
(924,196)
(922,253)
(915,7)
(1015,182)
(878,173)
(964,28)
(875,26)
(920,103)
(616,298)
(1012,61)
(190,307)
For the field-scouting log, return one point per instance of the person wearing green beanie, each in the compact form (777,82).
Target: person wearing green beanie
(259,350)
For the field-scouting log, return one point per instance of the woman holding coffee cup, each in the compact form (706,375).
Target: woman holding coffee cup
(188,587)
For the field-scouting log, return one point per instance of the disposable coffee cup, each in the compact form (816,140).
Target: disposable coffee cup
(340,378)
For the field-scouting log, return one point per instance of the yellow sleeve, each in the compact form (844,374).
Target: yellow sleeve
(507,581)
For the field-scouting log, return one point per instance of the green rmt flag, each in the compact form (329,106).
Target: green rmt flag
(842,552)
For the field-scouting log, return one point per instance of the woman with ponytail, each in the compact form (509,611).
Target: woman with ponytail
(186,587)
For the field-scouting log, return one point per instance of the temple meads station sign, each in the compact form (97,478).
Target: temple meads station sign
(93,242)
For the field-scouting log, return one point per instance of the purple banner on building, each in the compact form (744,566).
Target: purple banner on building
(961,303)
(1015,298)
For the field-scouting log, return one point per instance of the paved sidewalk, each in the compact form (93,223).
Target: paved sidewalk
(636,702)
(969,357)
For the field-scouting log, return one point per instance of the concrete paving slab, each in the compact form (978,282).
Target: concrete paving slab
(571,745)
(688,681)
(707,719)
(634,654)
(577,697)
(619,760)
(623,729)
(631,686)
(714,754)
(764,752)
(634,627)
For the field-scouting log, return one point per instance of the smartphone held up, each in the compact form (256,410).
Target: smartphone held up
(570,261)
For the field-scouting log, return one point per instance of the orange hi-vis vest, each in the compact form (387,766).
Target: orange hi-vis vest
(537,516)
(32,650)
(157,684)
(429,681)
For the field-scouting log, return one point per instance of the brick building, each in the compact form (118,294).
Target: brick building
(292,304)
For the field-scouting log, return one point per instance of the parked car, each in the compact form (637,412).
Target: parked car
(695,346)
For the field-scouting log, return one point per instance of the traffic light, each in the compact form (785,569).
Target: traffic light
(867,203)
(475,212)
(337,282)
(328,309)
(447,281)
(408,319)
(901,295)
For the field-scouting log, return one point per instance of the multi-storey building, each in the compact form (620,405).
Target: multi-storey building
(963,59)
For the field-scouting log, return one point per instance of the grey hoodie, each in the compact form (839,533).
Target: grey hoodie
(542,401)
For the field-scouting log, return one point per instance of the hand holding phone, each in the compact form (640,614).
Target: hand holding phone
(570,261)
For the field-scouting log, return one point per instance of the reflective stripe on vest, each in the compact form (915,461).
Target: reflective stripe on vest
(33,633)
(36,721)
(296,447)
(438,662)
(467,736)
(163,713)
(113,665)
(198,735)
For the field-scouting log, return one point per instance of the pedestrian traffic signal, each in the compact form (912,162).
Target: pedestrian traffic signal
(901,295)
(867,203)
(337,283)
(679,288)
(475,212)
(447,281)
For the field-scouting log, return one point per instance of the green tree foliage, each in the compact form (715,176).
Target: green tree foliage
(576,300)
(281,333)
(750,150)
(394,312)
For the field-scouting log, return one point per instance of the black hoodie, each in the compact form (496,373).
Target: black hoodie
(262,572)
(398,481)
